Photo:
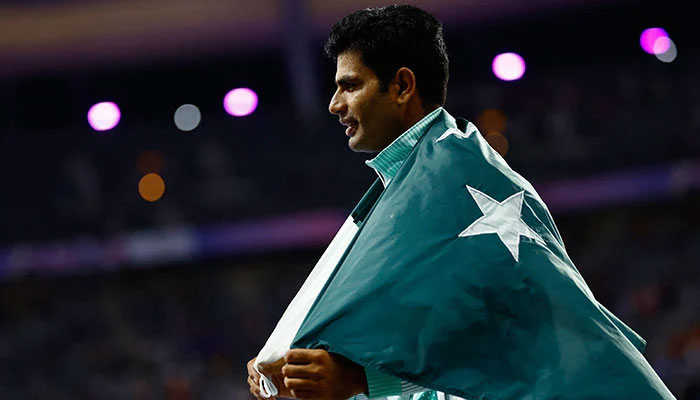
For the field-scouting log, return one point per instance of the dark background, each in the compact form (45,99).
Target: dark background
(106,296)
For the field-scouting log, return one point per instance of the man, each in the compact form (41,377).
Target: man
(377,105)
(462,312)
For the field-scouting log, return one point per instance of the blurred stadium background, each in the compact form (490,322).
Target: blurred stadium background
(147,253)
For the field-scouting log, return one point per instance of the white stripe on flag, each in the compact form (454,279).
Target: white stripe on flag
(281,338)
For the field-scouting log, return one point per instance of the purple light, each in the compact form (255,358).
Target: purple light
(508,66)
(104,116)
(648,40)
(661,45)
(240,102)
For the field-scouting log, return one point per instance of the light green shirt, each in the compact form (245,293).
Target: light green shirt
(387,164)
(389,160)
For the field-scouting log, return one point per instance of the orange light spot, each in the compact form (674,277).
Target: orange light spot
(151,187)
(498,142)
(491,120)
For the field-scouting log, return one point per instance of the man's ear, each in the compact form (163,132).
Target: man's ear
(405,79)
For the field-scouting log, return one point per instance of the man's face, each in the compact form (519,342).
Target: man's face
(370,114)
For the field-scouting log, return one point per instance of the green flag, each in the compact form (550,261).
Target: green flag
(458,281)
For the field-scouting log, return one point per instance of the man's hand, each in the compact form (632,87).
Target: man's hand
(318,375)
(277,379)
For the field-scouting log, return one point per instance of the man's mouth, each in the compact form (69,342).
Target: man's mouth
(350,131)
(351,126)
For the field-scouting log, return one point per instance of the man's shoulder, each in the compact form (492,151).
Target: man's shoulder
(445,125)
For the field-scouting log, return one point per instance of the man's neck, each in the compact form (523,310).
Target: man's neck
(418,113)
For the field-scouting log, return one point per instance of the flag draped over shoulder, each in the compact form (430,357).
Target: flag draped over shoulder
(458,280)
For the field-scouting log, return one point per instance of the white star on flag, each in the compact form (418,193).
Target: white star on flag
(502,218)
(453,131)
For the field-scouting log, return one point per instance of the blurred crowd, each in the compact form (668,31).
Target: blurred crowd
(157,334)
(187,332)
(555,124)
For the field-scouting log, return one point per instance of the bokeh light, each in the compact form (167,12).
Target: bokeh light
(498,142)
(649,37)
(508,66)
(240,102)
(187,117)
(491,120)
(151,187)
(671,51)
(661,45)
(104,116)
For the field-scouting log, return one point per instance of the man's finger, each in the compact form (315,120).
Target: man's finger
(253,390)
(308,371)
(251,371)
(300,356)
(272,368)
(299,384)
(255,376)
(253,385)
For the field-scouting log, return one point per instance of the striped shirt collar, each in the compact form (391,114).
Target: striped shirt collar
(389,160)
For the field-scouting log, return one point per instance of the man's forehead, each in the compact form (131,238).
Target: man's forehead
(349,57)
(349,66)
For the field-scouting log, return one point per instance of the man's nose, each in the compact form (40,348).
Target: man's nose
(336,105)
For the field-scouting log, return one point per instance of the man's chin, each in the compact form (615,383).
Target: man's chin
(357,149)
(356,145)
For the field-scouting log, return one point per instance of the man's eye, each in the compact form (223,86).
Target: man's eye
(349,87)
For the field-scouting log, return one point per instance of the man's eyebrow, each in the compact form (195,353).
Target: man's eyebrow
(346,80)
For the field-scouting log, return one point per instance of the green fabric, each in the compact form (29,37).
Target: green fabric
(381,385)
(389,160)
(474,320)
(386,164)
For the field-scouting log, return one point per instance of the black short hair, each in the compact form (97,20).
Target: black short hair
(392,37)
